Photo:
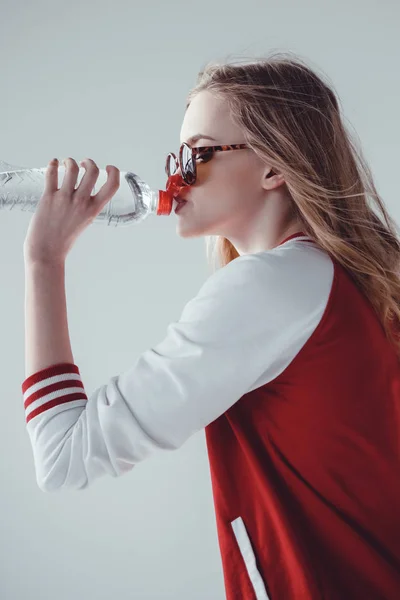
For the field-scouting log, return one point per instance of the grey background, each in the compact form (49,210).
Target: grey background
(109,81)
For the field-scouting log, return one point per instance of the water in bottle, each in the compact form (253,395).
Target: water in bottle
(134,200)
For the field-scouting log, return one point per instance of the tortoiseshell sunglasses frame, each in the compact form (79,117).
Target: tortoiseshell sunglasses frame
(197,153)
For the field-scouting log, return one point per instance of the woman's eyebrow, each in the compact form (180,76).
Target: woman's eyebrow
(199,136)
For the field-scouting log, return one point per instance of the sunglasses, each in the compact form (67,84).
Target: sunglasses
(188,158)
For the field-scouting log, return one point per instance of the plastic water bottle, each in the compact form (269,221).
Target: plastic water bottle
(22,188)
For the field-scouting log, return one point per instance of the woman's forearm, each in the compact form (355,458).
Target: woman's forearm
(47,339)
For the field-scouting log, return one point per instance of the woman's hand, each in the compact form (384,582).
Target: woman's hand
(62,214)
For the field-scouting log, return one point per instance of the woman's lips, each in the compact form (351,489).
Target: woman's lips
(180,202)
(180,206)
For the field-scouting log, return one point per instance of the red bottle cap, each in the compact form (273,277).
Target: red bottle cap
(175,184)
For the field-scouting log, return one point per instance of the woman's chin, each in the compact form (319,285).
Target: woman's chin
(187,233)
(185,229)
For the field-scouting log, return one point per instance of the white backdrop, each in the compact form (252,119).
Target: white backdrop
(109,81)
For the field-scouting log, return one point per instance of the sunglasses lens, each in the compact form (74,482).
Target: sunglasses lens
(188,165)
(170,167)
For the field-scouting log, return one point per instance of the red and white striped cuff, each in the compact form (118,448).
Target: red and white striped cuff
(55,385)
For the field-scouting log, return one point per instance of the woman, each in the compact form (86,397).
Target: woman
(287,356)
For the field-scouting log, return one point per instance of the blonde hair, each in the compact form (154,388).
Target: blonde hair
(290,117)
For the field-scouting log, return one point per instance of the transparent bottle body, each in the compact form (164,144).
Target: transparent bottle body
(21,188)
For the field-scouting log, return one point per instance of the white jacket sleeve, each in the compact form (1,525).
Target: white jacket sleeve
(227,337)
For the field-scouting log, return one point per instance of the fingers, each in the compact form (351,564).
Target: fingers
(87,183)
(51,179)
(70,176)
(110,187)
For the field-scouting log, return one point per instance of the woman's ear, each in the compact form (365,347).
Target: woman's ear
(271,179)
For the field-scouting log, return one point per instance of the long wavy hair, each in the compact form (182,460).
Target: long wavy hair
(291,118)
